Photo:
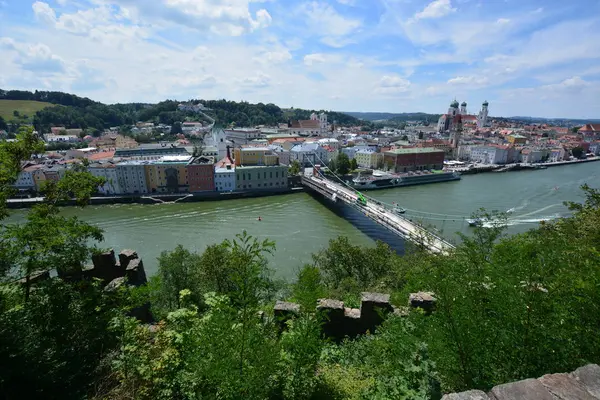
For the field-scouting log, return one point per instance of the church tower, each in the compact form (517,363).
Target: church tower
(463,108)
(453,110)
(323,121)
(456,135)
(483,115)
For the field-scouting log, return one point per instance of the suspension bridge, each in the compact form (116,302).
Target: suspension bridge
(385,215)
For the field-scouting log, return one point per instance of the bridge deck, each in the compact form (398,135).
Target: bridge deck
(400,225)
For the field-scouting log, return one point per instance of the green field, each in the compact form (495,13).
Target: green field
(24,107)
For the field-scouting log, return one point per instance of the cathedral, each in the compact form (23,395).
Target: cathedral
(450,121)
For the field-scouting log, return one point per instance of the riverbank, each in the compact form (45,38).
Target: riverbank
(160,198)
(519,166)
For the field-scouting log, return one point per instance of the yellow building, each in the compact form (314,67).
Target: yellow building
(168,175)
(516,139)
(368,158)
(262,156)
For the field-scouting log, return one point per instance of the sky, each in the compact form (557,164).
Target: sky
(526,57)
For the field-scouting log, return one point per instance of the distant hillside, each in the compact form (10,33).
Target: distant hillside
(539,120)
(73,111)
(395,117)
(25,110)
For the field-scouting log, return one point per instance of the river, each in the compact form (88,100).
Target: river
(301,224)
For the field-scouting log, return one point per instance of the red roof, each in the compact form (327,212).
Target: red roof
(306,124)
(101,156)
(590,128)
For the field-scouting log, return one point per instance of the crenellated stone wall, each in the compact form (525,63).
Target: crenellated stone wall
(582,384)
(340,321)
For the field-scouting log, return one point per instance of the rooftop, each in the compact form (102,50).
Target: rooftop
(413,150)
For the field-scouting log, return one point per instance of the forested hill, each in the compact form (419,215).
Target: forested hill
(73,111)
(394,117)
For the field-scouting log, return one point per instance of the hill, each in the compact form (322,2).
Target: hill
(73,111)
(26,109)
(394,117)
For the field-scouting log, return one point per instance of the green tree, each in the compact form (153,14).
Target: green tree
(294,168)
(343,163)
(353,164)
(3,124)
(404,137)
(578,152)
(332,165)
(176,128)
(16,114)
(575,129)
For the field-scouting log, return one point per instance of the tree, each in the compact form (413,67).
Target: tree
(295,168)
(332,165)
(342,163)
(575,129)
(578,152)
(420,135)
(3,125)
(16,113)
(353,164)
(176,128)
(404,137)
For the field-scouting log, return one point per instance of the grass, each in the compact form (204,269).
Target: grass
(24,107)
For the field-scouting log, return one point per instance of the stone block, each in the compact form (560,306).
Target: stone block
(529,389)
(106,267)
(470,395)
(352,322)
(284,311)
(115,284)
(35,277)
(423,300)
(332,312)
(564,386)
(374,308)
(589,377)
(125,256)
(135,273)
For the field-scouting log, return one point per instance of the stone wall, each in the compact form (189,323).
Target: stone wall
(340,321)
(582,384)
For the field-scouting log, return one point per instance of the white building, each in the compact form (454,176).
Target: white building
(131,177)
(489,154)
(225,177)
(108,171)
(25,178)
(189,127)
(51,138)
(218,139)
(331,142)
(308,154)
(315,126)
(482,118)
(558,154)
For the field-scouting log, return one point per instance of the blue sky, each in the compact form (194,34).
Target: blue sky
(526,57)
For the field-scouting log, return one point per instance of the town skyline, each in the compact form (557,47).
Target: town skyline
(352,55)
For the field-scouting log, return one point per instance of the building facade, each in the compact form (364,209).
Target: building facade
(253,178)
(108,171)
(308,154)
(368,158)
(413,159)
(201,174)
(131,177)
(489,154)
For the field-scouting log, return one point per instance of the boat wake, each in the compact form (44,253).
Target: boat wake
(538,211)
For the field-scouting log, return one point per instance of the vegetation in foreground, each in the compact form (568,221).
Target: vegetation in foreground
(508,308)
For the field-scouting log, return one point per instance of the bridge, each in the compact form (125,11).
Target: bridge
(382,214)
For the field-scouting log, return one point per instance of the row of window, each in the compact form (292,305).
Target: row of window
(264,186)
(258,175)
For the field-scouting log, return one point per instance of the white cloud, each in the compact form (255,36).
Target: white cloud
(436,9)
(36,57)
(392,84)
(260,80)
(469,80)
(335,29)
(44,12)
(502,21)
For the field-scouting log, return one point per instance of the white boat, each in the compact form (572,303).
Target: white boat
(475,221)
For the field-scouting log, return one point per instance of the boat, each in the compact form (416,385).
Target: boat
(399,210)
(475,221)
(379,180)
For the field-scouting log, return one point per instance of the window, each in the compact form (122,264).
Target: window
(271,175)
(259,185)
(277,174)
(265,175)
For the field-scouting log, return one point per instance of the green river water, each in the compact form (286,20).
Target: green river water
(301,224)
